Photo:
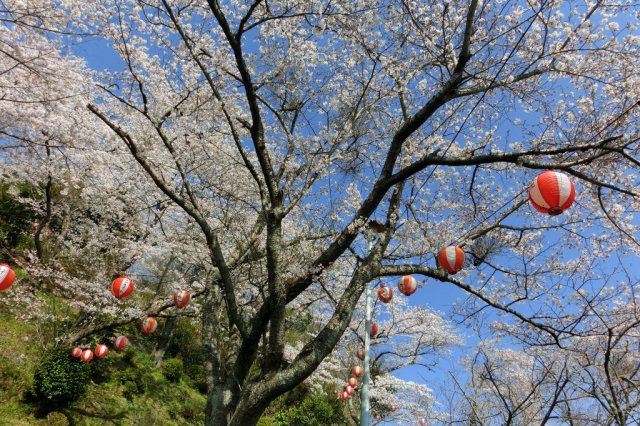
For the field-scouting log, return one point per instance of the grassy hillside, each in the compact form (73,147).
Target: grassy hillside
(125,388)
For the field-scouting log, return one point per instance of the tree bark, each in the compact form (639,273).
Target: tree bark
(164,341)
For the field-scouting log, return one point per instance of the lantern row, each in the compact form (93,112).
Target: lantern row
(122,287)
(551,193)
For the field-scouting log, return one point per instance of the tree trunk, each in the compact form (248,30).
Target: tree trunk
(222,390)
(251,407)
(220,402)
(164,341)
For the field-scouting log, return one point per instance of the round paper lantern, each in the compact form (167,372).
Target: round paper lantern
(552,193)
(385,294)
(360,354)
(374,329)
(422,421)
(149,325)
(122,287)
(87,355)
(76,352)
(451,259)
(353,382)
(181,298)
(120,342)
(101,350)
(344,396)
(357,371)
(393,408)
(7,277)
(349,390)
(407,285)
(378,417)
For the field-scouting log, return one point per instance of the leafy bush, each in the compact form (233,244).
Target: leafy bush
(172,369)
(56,418)
(315,410)
(198,378)
(185,344)
(134,381)
(101,369)
(59,379)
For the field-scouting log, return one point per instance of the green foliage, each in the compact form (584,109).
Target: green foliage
(172,369)
(10,374)
(185,344)
(15,218)
(59,379)
(197,377)
(56,418)
(134,374)
(314,409)
(101,369)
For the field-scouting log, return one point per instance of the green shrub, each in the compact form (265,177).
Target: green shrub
(172,369)
(185,344)
(197,376)
(192,410)
(59,379)
(56,418)
(315,410)
(134,381)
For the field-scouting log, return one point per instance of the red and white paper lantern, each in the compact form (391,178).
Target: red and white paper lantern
(349,390)
(353,382)
(407,285)
(360,354)
(87,355)
(122,287)
(181,298)
(149,325)
(393,408)
(385,294)
(451,259)
(374,330)
(102,350)
(120,342)
(344,396)
(422,421)
(552,193)
(7,277)
(357,371)
(76,352)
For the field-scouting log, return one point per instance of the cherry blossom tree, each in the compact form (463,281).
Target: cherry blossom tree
(275,131)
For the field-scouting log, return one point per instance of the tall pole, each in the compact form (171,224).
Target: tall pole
(364,403)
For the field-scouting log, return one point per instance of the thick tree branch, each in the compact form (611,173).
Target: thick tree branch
(211,238)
